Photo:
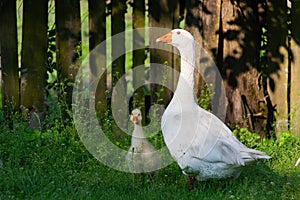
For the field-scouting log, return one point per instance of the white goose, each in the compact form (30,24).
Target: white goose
(142,156)
(203,146)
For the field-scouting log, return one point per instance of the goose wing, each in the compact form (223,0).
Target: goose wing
(199,134)
(220,144)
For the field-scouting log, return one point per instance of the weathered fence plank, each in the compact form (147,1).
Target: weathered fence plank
(119,101)
(240,67)
(164,14)
(213,44)
(97,34)
(34,55)
(277,64)
(203,21)
(68,44)
(9,55)
(138,55)
(194,24)
(295,69)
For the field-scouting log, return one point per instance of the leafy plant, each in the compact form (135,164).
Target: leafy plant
(204,101)
(162,88)
(284,137)
(251,140)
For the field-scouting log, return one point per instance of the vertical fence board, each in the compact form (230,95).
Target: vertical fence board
(97,34)
(138,21)
(34,54)
(176,57)
(240,67)
(68,47)
(119,108)
(277,64)
(9,54)
(295,69)
(161,14)
(213,45)
(194,23)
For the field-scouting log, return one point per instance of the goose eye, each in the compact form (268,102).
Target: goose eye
(139,114)
(178,32)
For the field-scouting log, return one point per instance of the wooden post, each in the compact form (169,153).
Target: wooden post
(193,24)
(34,59)
(205,15)
(240,39)
(9,55)
(295,69)
(277,63)
(97,33)
(164,14)
(138,21)
(68,47)
(119,100)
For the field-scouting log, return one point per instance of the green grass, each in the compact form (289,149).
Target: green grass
(54,164)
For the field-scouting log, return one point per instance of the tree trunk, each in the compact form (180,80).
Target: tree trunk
(118,104)
(240,32)
(9,57)
(68,45)
(97,31)
(34,57)
(164,14)
(295,70)
(139,55)
(277,63)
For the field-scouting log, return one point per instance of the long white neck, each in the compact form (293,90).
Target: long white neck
(185,87)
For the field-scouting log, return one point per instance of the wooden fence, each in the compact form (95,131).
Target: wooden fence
(256,46)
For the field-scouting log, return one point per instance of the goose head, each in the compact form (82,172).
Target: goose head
(136,116)
(177,38)
(183,41)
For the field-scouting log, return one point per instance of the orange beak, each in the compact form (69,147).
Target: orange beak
(165,38)
(135,119)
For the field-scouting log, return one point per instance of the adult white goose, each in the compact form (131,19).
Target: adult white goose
(142,156)
(203,146)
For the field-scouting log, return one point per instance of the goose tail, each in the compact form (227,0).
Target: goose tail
(254,155)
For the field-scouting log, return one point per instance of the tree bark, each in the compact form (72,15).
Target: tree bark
(9,57)
(34,56)
(68,45)
(97,34)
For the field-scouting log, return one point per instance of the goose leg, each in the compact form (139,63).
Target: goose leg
(191,182)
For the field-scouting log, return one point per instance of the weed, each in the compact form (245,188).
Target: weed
(251,140)
(204,101)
